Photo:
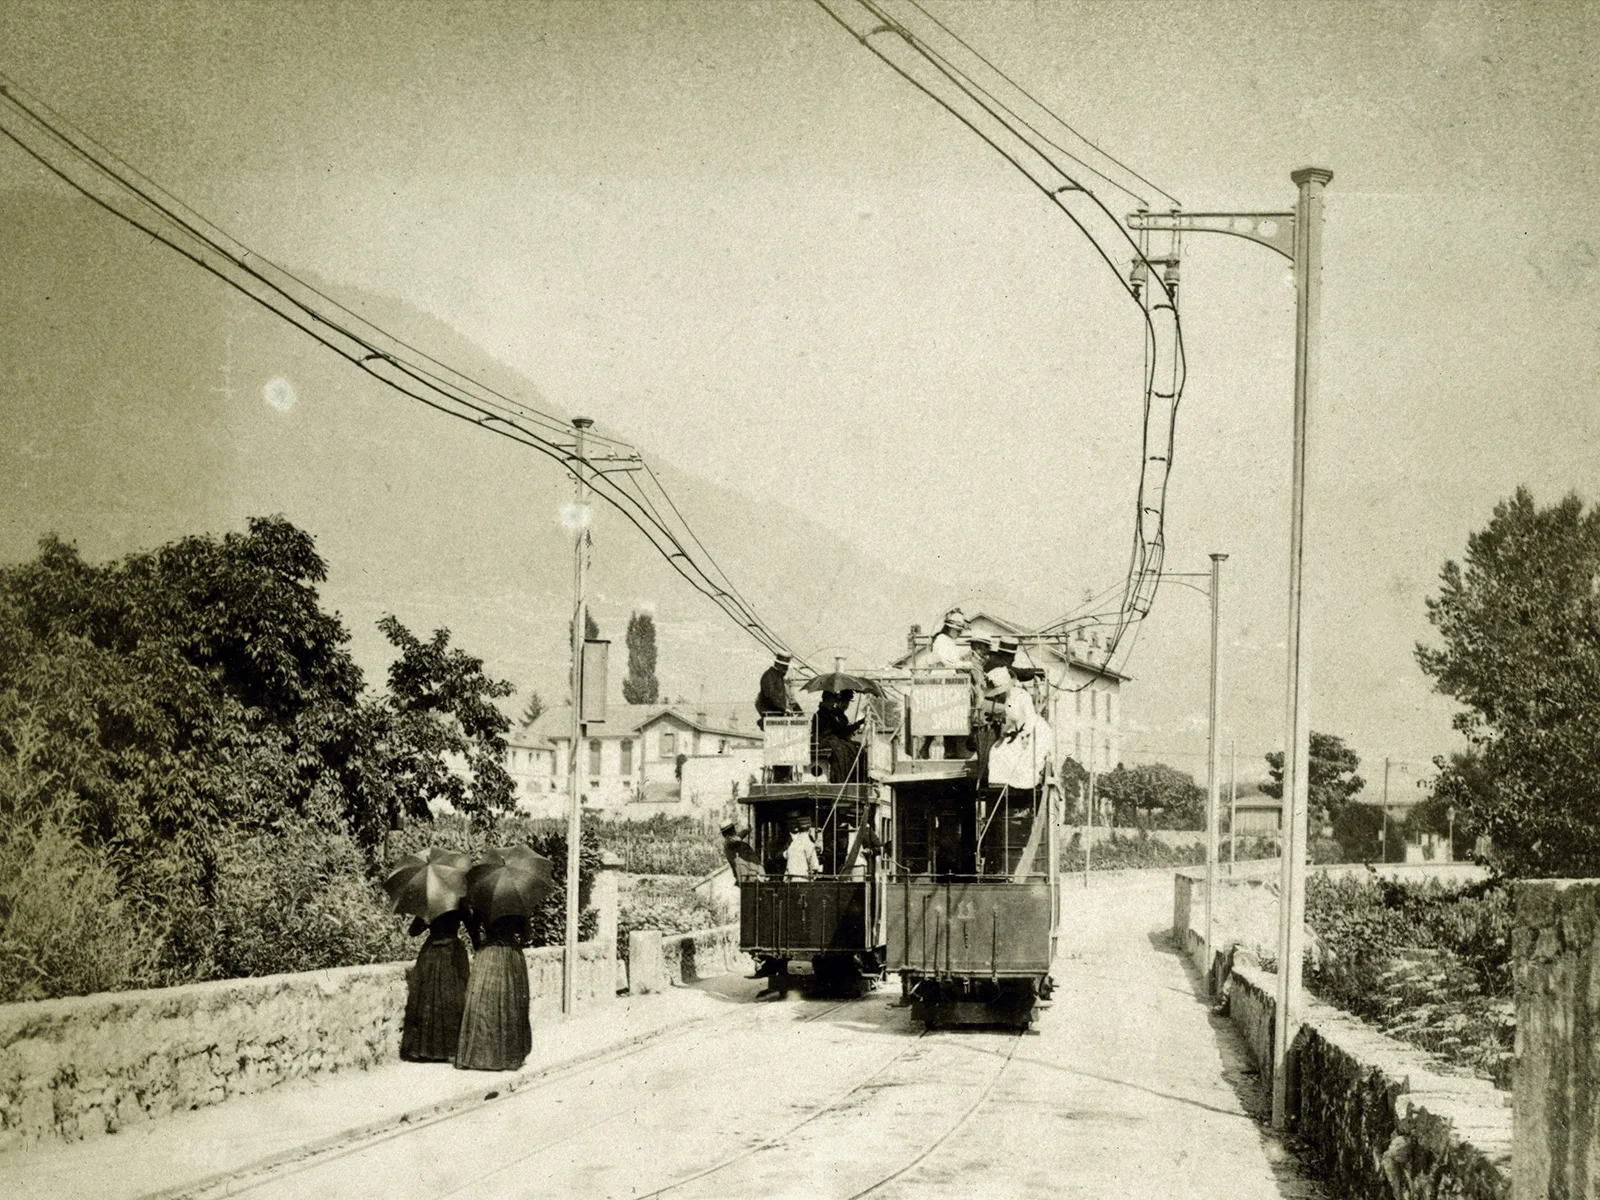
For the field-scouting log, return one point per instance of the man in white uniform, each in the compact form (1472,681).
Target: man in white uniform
(800,859)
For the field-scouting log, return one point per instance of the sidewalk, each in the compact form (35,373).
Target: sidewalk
(196,1151)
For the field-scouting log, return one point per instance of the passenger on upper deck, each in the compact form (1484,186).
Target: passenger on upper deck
(947,649)
(1025,744)
(833,728)
(774,699)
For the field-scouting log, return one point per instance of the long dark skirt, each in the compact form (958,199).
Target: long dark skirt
(495,1032)
(434,1002)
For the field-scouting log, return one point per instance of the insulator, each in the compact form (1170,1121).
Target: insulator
(1170,276)
(1137,277)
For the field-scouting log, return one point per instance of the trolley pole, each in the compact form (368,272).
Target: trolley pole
(580,622)
(1297,730)
(1212,772)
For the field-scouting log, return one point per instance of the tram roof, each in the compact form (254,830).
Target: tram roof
(775,793)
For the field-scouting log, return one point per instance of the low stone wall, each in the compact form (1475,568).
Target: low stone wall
(1375,1114)
(703,953)
(86,1065)
(1556,960)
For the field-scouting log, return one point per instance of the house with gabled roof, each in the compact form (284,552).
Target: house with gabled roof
(631,764)
(1086,689)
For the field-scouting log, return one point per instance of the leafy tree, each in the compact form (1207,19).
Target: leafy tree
(1332,779)
(1463,786)
(1166,797)
(639,686)
(1520,626)
(440,709)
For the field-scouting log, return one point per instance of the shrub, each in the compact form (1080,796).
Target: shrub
(659,904)
(299,899)
(64,928)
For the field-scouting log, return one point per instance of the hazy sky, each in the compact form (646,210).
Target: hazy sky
(727,230)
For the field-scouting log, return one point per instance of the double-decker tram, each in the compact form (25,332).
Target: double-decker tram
(935,856)
(818,913)
(972,894)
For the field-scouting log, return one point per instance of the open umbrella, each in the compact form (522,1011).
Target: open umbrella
(508,881)
(428,884)
(838,681)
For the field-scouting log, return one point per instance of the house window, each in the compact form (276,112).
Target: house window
(1077,753)
(1077,703)
(627,756)
(1108,707)
(594,756)
(669,744)
(1094,705)
(722,745)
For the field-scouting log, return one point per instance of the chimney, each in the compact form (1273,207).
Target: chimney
(911,638)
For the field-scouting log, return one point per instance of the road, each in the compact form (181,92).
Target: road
(1127,1087)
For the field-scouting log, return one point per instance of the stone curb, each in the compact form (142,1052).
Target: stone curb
(218,1183)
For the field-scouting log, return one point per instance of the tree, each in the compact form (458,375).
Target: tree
(532,711)
(1520,626)
(1331,782)
(639,686)
(1167,798)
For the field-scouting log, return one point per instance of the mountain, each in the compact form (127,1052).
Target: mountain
(143,399)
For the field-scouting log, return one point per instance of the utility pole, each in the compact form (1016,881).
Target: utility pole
(1297,731)
(1298,237)
(580,622)
(1385,808)
(1212,771)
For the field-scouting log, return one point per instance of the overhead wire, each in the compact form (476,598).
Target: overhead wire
(1143,578)
(493,411)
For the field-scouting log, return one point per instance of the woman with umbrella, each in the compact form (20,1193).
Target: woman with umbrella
(430,886)
(503,889)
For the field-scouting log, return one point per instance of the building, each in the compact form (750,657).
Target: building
(1086,709)
(629,765)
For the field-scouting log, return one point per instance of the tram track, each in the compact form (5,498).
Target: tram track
(835,1104)
(308,1159)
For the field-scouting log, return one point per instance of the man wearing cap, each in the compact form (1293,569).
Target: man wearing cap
(774,700)
(800,859)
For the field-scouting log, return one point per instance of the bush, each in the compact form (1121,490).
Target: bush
(299,899)
(1118,853)
(1427,963)
(669,907)
(64,928)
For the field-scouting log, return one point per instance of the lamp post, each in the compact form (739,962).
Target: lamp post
(580,621)
(1212,770)
(1297,236)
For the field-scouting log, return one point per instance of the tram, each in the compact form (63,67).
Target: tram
(829,925)
(927,867)
(973,895)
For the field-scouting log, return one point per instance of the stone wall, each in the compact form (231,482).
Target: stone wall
(92,1064)
(1556,1074)
(1375,1114)
(687,957)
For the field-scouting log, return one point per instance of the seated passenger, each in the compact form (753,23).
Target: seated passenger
(833,729)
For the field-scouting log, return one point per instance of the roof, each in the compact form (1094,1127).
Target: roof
(734,720)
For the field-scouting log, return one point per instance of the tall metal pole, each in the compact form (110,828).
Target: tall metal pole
(1297,734)
(1212,771)
(580,622)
